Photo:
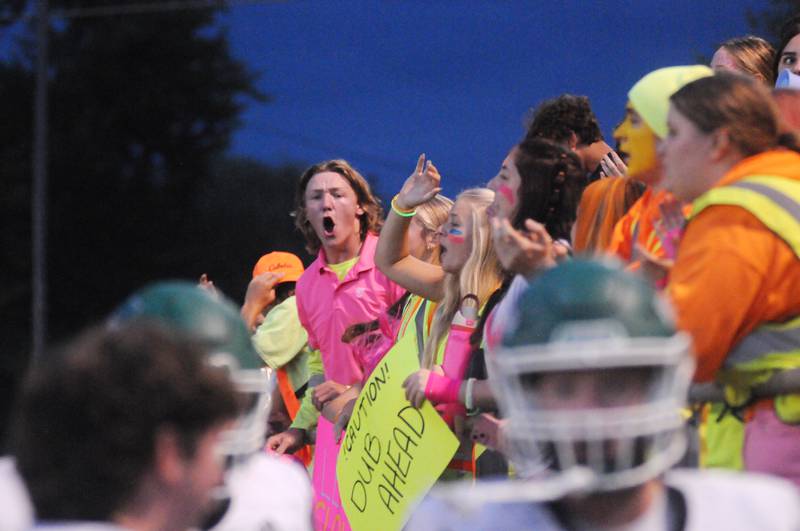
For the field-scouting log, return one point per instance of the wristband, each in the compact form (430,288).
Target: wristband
(402,212)
(469,399)
(441,389)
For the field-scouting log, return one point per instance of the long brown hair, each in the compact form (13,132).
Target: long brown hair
(551,183)
(753,55)
(371,219)
(741,105)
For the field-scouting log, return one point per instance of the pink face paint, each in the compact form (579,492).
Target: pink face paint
(455,236)
(508,193)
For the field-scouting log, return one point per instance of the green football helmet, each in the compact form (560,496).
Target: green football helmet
(214,322)
(592,378)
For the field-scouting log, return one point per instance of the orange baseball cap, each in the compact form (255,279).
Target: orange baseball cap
(280,262)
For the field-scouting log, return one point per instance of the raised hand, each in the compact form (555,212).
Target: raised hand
(207,284)
(420,186)
(261,290)
(611,165)
(260,294)
(523,252)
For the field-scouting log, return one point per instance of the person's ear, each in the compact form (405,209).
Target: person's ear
(721,145)
(431,239)
(573,141)
(169,463)
(359,211)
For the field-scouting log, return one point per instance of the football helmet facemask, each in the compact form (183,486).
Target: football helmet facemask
(592,378)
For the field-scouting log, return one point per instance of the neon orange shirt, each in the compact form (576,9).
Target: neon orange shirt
(640,220)
(732,273)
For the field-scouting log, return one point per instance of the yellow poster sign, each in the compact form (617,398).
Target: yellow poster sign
(392,452)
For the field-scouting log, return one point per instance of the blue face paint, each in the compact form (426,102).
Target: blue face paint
(455,235)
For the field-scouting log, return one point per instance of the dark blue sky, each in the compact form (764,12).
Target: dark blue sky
(379,82)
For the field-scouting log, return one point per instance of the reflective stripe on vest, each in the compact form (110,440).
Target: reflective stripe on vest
(767,339)
(306,453)
(775,201)
(419,312)
(772,347)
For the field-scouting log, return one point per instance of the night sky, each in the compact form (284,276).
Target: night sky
(379,82)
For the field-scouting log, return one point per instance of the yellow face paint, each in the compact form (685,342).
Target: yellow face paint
(638,141)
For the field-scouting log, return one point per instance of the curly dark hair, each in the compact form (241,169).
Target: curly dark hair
(552,181)
(371,219)
(556,119)
(90,414)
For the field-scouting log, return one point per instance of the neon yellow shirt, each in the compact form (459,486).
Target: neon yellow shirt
(307,415)
(342,268)
(281,342)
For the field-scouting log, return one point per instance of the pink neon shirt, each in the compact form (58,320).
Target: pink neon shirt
(326,308)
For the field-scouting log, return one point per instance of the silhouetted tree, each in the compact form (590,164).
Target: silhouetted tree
(141,107)
(767,22)
(246,212)
(10,10)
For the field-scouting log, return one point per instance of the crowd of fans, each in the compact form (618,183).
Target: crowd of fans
(591,318)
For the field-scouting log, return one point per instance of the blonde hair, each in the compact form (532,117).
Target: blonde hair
(480,276)
(432,214)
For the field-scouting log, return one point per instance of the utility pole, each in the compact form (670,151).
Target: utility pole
(39,192)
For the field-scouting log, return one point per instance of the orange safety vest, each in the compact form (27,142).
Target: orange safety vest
(306,453)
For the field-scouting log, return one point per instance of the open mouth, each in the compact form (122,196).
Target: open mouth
(624,156)
(328,225)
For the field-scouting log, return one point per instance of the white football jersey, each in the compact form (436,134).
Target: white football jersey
(16,511)
(268,493)
(713,499)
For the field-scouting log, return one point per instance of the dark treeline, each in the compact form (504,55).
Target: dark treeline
(142,108)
